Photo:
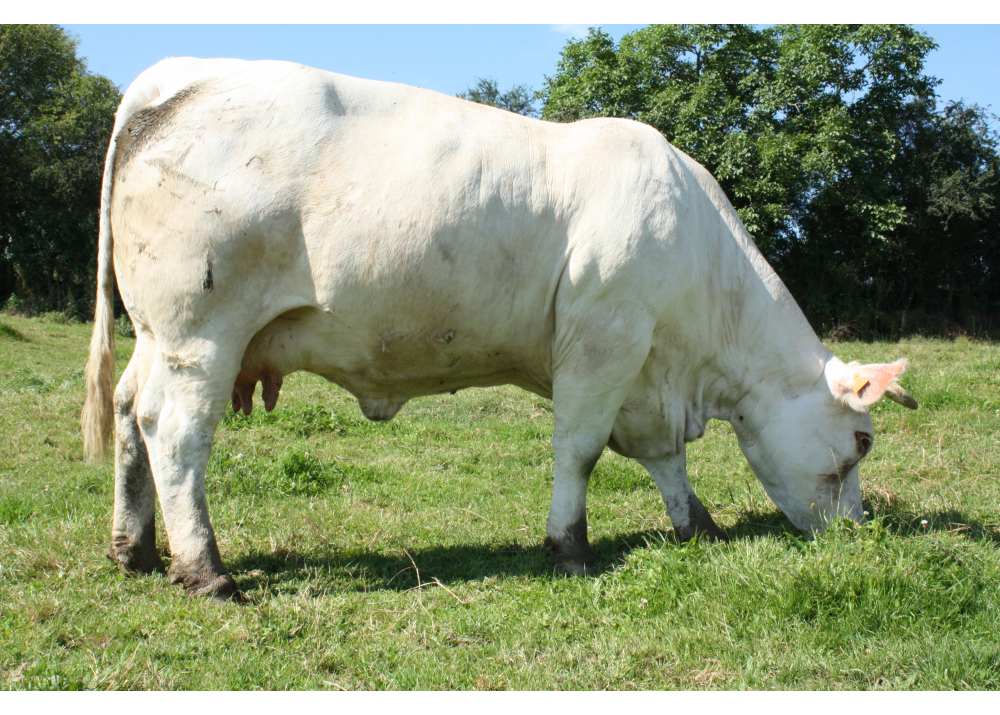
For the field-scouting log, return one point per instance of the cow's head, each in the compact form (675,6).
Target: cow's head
(805,446)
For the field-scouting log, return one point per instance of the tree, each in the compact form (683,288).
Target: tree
(55,125)
(944,256)
(773,113)
(518,99)
(826,141)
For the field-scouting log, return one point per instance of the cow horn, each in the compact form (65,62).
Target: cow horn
(897,394)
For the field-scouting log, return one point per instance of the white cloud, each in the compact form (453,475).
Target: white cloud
(573,30)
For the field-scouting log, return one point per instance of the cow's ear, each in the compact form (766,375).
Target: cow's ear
(860,386)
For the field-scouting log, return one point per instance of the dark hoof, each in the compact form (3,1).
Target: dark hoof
(571,557)
(710,533)
(701,525)
(235,597)
(136,560)
(575,568)
(220,587)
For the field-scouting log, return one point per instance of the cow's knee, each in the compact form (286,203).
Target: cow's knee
(179,462)
(566,526)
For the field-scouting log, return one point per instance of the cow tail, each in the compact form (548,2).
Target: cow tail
(97,417)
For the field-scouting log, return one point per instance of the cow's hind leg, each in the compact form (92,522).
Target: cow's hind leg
(688,514)
(184,399)
(133,532)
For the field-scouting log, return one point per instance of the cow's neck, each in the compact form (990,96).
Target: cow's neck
(765,345)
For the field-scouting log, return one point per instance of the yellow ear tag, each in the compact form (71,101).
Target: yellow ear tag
(859,382)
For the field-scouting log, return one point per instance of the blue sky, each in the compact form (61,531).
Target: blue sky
(448,58)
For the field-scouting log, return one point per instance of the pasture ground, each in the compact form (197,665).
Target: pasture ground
(408,554)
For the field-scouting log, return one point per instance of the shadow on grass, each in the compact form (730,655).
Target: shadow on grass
(395,569)
(898,519)
(952,521)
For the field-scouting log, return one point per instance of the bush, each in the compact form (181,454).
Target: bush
(14,305)
(124,327)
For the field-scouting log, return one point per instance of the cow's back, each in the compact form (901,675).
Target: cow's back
(429,235)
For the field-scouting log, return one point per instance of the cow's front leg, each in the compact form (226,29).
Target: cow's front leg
(687,513)
(566,527)
(587,393)
(133,531)
(183,402)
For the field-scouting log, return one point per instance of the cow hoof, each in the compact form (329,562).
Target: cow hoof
(220,587)
(700,524)
(136,559)
(575,568)
(571,557)
(710,533)
(236,596)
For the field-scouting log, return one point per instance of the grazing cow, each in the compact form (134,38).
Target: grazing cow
(265,217)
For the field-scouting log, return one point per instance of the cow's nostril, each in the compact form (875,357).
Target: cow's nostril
(864,442)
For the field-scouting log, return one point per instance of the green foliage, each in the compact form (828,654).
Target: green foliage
(124,326)
(54,316)
(518,99)
(14,305)
(308,420)
(55,124)
(825,139)
(851,585)
(943,253)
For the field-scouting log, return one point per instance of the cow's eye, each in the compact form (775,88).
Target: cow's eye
(864,442)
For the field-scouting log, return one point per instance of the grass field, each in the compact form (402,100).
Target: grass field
(408,554)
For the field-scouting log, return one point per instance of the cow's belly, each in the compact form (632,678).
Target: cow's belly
(384,366)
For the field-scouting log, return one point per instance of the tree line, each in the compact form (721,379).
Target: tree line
(55,124)
(878,208)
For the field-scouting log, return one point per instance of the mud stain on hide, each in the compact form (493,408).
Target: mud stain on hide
(836,478)
(833,480)
(148,123)
(445,250)
(208,283)
(576,532)
(832,483)
(446,337)
(176,362)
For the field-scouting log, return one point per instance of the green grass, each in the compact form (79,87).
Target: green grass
(408,554)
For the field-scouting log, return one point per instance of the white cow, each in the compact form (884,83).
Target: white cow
(265,217)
